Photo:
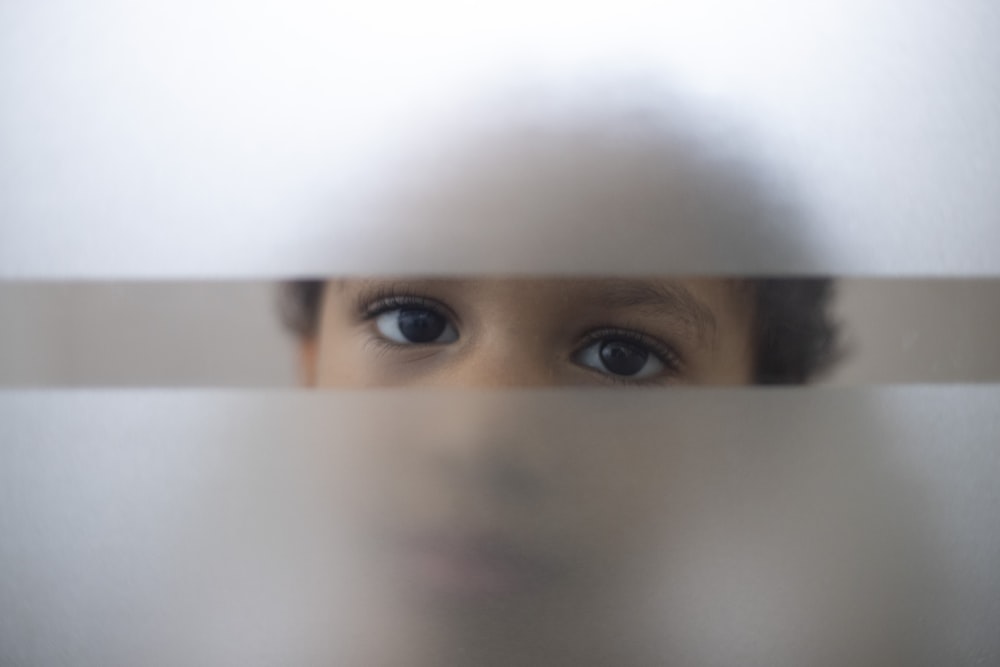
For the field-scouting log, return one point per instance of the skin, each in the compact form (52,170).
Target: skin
(532,332)
(457,473)
(524,527)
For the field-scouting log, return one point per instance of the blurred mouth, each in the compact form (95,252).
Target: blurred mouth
(473,566)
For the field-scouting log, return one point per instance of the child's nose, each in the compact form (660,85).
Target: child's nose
(490,445)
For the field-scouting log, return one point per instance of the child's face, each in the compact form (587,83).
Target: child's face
(519,517)
(519,332)
(524,497)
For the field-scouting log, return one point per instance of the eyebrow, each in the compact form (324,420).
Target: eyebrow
(658,298)
(370,289)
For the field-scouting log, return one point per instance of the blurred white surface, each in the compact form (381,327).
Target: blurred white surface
(218,527)
(226,139)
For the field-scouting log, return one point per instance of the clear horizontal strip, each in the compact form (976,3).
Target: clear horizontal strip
(250,334)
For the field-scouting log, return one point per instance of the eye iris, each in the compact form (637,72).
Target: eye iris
(623,358)
(419,325)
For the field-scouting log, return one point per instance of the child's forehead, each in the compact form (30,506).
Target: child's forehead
(589,197)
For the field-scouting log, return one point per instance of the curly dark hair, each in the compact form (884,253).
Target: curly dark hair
(796,339)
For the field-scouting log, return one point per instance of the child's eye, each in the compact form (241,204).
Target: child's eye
(414,325)
(626,355)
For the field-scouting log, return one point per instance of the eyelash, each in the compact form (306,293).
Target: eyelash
(673,364)
(387,299)
(373,304)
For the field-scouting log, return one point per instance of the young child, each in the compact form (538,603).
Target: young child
(585,195)
(527,527)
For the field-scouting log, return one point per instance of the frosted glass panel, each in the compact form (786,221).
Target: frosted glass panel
(485,191)
(770,527)
(196,139)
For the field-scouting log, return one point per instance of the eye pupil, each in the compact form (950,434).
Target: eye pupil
(420,325)
(623,358)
